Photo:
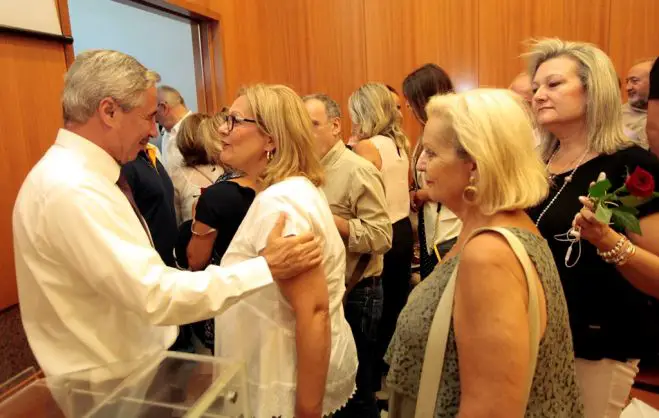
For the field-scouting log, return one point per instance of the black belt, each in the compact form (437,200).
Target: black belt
(372,281)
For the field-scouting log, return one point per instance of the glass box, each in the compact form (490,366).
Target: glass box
(168,384)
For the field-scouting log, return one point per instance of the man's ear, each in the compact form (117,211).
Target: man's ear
(165,108)
(336,127)
(107,110)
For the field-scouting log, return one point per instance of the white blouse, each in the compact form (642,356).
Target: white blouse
(188,182)
(395,173)
(260,329)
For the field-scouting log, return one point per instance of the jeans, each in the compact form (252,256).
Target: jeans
(363,310)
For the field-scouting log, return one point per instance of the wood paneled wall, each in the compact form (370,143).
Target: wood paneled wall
(335,45)
(31,80)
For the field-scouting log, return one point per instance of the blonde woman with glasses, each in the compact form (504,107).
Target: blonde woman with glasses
(376,123)
(299,350)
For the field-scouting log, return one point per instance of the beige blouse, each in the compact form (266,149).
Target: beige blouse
(188,182)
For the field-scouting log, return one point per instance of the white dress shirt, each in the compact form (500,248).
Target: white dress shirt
(260,329)
(92,289)
(171,156)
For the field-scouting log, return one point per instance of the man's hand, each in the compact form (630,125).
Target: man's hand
(289,256)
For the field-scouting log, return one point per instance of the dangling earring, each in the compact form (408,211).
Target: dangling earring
(470,192)
(268,155)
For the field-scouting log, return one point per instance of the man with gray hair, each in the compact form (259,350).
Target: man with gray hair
(635,111)
(170,115)
(355,192)
(92,288)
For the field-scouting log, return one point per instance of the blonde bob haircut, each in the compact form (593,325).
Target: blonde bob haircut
(373,112)
(492,128)
(600,82)
(280,113)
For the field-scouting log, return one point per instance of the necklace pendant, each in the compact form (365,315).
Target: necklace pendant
(568,179)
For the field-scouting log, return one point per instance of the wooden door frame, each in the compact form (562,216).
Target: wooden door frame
(206,39)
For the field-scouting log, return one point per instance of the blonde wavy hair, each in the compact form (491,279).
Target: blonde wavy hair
(373,112)
(599,80)
(209,133)
(492,127)
(280,113)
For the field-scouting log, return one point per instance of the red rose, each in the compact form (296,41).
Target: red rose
(640,183)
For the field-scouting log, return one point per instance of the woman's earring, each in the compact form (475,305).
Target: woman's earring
(470,192)
(268,155)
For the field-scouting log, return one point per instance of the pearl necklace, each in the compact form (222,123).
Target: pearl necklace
(566,181)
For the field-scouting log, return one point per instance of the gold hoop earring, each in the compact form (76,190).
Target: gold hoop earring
(470,192)
(268,155)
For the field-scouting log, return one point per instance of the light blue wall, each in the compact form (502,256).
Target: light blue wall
(161,43)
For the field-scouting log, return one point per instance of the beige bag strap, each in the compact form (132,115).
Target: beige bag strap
(431,372)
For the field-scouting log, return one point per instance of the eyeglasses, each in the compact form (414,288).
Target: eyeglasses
(231,121)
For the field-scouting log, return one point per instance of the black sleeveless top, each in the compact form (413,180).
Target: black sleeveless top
(609,317)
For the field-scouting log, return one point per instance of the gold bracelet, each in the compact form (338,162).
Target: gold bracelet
(631,251)
(611,255)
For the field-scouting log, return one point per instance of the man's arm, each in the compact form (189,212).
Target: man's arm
(370,229)
(343,226)
(113,254)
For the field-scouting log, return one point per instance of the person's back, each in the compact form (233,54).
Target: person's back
(261,329)
(153,192)
(188,184)
(197,134)
(395,169)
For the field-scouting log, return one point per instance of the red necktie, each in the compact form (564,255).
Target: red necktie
(128,192)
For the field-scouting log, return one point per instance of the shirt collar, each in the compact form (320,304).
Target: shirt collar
(178,124)
(333,154)
(97,159)
(635,109)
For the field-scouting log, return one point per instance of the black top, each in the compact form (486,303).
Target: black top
(654,81)
(223,206)
(608,316)
(154,196)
